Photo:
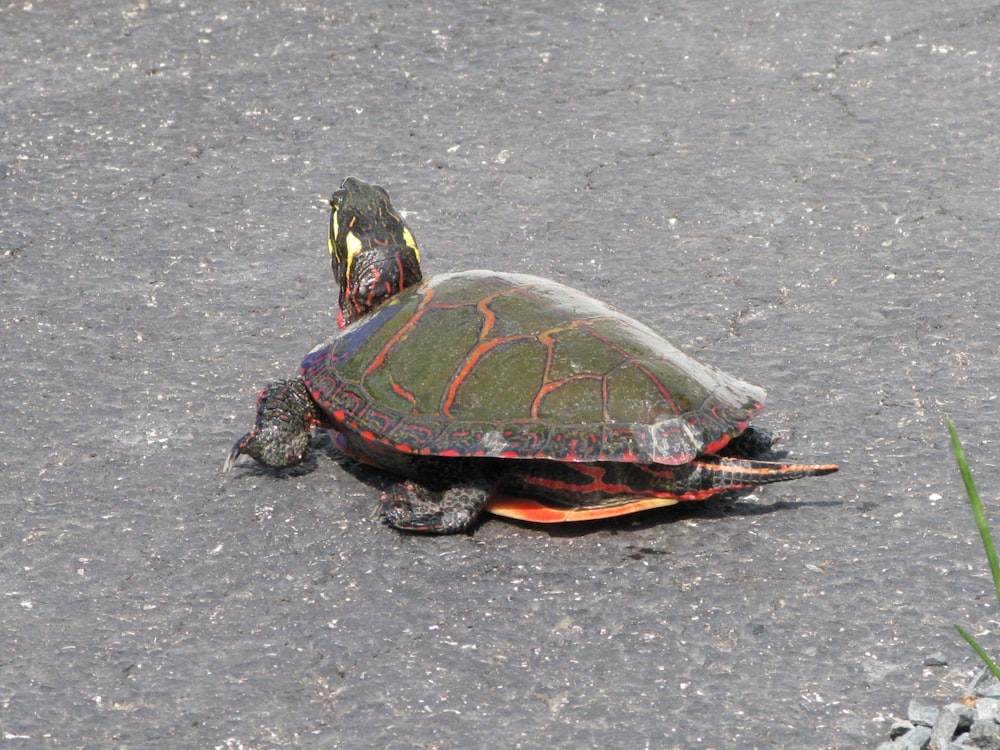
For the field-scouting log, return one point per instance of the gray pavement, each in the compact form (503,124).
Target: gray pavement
(804,194)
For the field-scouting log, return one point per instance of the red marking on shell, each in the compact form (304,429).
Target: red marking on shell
(400,274)
(554,385)
(400,391)
(489,317)
(477,353)
(379,359)
(723,441)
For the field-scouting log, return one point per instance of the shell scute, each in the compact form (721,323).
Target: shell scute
(513,366)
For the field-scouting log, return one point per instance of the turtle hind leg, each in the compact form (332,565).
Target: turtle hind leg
(408,506)
(753,442)
(283,430)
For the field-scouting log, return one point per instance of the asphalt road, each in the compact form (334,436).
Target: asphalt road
(803,194)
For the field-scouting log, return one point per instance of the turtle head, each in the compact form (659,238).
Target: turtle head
(374,255)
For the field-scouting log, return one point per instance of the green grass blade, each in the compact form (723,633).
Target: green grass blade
(979,650)
(977,507)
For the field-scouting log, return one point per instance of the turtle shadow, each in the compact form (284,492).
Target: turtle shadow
(375,478)
(253,469)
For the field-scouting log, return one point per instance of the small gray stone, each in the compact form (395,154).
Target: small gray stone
(921,713)
(983,682)
(964,713)
(985,735)
(899,728)
(945,727)
(919,738)
(986,710)
(937,659)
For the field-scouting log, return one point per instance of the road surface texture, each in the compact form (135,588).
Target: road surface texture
(805,194)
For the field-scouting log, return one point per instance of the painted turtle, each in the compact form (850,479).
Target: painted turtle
(504,392)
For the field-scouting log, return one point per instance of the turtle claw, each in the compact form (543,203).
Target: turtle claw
(396,510)
(235,453)
(408,506)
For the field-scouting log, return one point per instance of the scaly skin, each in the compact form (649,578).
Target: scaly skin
(409,506)
(373,253)
(281,436)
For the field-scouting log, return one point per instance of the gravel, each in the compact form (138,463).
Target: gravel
(974,722)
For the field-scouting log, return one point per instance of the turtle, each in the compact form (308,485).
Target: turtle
(504,392)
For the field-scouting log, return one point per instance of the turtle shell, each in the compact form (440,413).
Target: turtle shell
(514,366)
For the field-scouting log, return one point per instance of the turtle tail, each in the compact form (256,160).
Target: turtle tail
(723,473)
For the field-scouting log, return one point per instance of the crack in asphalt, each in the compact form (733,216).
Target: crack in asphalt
(828,78)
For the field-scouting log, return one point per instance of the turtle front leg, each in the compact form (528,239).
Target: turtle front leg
(408,506)
(281,436)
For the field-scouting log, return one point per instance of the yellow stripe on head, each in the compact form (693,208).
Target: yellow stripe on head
(334,230)
(410,242)
(354,246)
